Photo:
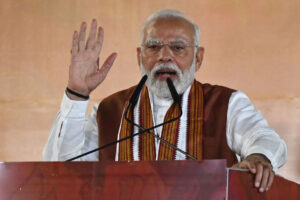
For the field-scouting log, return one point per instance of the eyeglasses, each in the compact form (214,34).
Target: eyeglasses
(177,47)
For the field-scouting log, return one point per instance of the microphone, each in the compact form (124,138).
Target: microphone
(173,91)
(176,99)
(132,101)
(136,94)
(139,87)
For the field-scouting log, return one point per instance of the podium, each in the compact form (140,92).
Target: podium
(208,179)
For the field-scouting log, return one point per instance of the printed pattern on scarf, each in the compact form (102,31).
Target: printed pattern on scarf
(125,147)
(146,141)
(195,121)
(170,132)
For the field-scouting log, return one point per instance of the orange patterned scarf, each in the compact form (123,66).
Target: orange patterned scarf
(192,131)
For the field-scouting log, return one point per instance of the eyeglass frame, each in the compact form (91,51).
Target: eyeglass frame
(162,44)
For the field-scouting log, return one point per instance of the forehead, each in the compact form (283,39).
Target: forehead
(169,29)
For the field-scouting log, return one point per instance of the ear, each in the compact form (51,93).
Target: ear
(138,54)
(199,57)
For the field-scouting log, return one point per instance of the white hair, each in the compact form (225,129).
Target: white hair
(167,14)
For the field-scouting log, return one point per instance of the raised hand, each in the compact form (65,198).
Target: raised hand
(84,72)
(259,165)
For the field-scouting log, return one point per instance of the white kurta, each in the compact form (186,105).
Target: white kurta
(247,132)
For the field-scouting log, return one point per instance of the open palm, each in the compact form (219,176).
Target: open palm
(84,72)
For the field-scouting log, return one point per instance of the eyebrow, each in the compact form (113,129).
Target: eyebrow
(155,40)
(180,40)
(152,40)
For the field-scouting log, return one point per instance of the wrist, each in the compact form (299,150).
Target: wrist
(74,95)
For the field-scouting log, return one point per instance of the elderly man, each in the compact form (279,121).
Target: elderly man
(216,123)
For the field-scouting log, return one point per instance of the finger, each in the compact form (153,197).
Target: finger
(259,173)
(103,71)
(270,181)
(92,35)
(264,180)
(99,41)
(108,63)
(74,49)
(252,167)
(81,42)
(242,165)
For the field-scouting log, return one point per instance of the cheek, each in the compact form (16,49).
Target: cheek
(148,63)
(183,64)
(186,62)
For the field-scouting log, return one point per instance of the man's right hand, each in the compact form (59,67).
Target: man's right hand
(84,72)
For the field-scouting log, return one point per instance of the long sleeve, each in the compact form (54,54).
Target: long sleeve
(248,132)
(73,132)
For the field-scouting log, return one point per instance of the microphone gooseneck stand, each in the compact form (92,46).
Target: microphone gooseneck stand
(132,101)
(176,99)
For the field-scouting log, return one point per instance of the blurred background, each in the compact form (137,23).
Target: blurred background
(252,46)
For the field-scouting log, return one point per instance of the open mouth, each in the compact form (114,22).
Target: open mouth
(166,72)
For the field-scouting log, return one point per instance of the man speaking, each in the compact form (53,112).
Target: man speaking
(215,122)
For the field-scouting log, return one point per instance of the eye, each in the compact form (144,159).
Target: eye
(177,47)
(153,46)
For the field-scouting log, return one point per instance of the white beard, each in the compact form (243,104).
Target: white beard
(160,88)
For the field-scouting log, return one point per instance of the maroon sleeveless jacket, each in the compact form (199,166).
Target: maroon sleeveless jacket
(216,99)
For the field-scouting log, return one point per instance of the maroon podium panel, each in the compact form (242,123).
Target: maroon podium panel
(113,180)
(241,186)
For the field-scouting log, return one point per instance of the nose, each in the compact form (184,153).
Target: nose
(166,54)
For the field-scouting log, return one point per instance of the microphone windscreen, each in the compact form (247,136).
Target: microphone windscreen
(137,90)
(173,91)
